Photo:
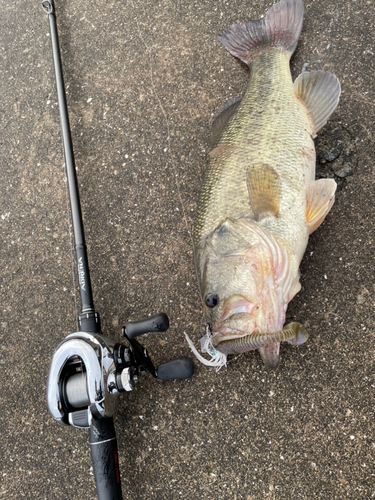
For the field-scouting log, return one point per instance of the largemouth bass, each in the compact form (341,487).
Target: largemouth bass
(259,199)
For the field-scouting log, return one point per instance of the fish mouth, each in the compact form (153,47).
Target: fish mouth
(229,329)
(226,333)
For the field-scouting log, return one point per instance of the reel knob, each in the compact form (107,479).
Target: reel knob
(178,368)
(157,323)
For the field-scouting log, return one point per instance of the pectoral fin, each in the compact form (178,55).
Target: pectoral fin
(264,188)
(320,93)
(319,201)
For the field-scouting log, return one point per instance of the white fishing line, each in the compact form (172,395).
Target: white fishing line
(174,168)
(166,120)
(218,359)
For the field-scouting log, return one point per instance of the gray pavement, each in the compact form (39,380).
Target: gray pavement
(144,79)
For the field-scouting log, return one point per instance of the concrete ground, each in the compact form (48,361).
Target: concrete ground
(144,79)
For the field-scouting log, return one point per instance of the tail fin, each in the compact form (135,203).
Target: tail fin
(280,29)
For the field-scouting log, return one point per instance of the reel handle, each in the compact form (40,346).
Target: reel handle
(178,368)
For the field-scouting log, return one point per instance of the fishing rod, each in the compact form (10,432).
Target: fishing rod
(88,370)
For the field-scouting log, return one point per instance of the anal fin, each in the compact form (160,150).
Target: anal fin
(319,200)
(320,93)
(264,190)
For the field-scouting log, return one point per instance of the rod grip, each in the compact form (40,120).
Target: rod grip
(104,455)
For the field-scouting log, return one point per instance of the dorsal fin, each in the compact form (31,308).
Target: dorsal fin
(222,118)
(264,188)
(320,93)
(319,200)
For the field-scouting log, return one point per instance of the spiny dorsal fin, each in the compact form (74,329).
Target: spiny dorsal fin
(319,201)
(222,118)
(264,188)
(320,93)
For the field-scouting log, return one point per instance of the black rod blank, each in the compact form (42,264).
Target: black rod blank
(85,289)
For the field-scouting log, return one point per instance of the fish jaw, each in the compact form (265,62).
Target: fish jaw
(269,353)
(235,305)
(243,324)
(236,326)
(241,317)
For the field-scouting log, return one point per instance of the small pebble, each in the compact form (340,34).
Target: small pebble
(345,171)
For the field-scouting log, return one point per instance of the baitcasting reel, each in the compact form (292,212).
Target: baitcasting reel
(89,371)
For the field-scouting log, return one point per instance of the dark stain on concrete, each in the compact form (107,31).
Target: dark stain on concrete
(336,153)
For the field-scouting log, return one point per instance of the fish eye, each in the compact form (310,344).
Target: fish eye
(211,300)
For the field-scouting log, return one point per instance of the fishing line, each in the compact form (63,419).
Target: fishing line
(217,359)
(175,174)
